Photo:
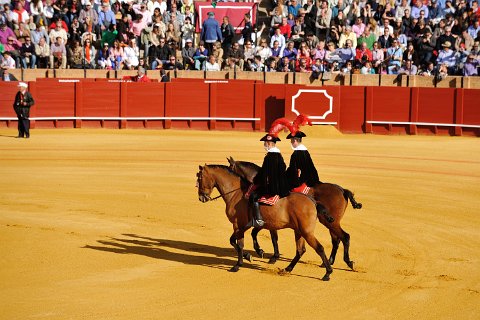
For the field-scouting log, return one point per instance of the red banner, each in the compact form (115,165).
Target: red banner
(233,10)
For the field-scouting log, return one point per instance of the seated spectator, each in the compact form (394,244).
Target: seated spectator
(172,64)
(75,55)
(285,29)
(212,64)
(159,54)
(271,65)
(470,68)
(474,29)
(302,65)
(425,48)
(8,62)
(256,65)
(172,35)
(200,56)
(347,68)
(235,54)
(277,51)
(38,33)
(263,50)
(116,55)
(248,52)
(109,35)
(411,54)
(58,32)
(7,76)
(218,53)
(446,37)
(131,53)
(27,52)
(319,52)
(394,57)
(290,52)
(348,35)
(22,32)
(446,57)
(13,47)
(368,37)
(408,68)
(58,54)
(187,31)
(279,38)
(347,53)
(317,68)
(359,27)
(363,55)
(89,18)
(428,71)
(367,68)
(42,51)
(103,60)
(386,40)
(89,53)
(378,57)
(140,77)
(285,65)
(187,55)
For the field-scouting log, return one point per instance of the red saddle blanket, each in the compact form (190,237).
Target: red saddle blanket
(269,200)
(303,188)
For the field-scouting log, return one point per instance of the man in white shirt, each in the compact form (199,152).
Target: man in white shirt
(211,64)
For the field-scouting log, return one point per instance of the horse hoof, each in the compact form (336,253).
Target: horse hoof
(248,256)
(326,277)
(272,260)
(234,269)
(350,264)
(283,272)
(261,253)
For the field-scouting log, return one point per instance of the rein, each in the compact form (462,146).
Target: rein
(224,194)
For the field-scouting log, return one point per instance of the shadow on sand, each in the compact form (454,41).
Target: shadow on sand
(193,253)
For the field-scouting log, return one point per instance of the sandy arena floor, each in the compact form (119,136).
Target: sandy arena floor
(106,224)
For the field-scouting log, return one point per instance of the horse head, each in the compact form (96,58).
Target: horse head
(205,184)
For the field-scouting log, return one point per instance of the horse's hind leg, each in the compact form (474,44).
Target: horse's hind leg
(300,251)
(315,244)
(346,249)
(256,246)
(276,252)
(335,245)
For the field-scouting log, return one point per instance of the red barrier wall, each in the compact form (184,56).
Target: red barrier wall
(246,105)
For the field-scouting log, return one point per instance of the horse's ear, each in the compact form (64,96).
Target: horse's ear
(200,168)
(229,160)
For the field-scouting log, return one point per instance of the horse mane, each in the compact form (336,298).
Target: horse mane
(251,165)
(225,168)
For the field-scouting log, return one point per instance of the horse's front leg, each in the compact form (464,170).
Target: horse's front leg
(238,245)
(276,252)
(256,246)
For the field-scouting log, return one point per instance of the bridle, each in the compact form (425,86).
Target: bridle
(207,196)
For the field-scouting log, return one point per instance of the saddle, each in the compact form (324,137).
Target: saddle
(269,200)
(303,188)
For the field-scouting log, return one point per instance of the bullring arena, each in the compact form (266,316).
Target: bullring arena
(106,224)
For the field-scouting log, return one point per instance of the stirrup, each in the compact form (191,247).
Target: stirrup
(258,223)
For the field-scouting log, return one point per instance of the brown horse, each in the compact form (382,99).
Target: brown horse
(331,196)
(296,212)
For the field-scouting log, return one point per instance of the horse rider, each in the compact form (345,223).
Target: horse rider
(301,172)
(270,179)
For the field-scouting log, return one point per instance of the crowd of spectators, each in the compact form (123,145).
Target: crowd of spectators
(425,37)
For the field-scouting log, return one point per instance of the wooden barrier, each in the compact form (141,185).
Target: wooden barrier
(227,104)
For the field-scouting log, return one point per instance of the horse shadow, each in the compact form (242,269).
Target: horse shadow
(198,254)
(172,250)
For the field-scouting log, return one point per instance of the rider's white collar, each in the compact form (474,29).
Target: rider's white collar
(274,149)
(300,147)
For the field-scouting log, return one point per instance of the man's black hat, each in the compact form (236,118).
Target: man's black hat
(298,134)
(270,138)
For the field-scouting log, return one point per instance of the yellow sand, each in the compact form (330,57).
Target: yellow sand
(106,224)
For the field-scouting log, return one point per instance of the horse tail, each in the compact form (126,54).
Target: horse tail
(348,195)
